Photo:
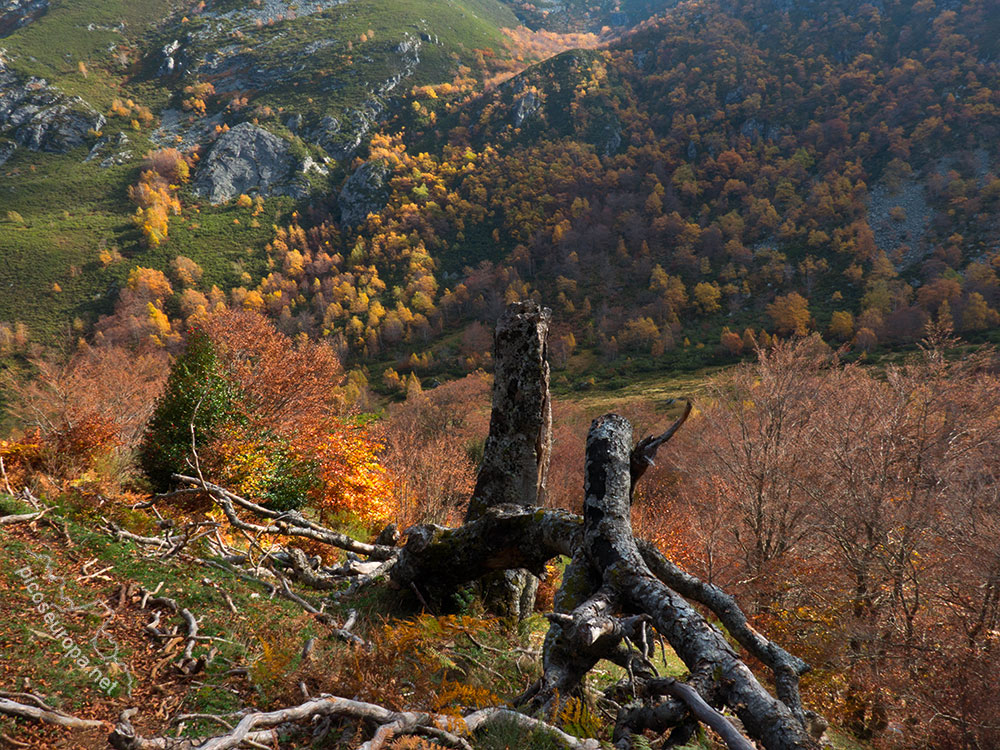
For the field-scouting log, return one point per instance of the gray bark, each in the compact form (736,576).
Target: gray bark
(516,455)
(610,548)
(612,587)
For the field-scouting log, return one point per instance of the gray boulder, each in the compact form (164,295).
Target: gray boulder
(246,159)
(364,192)
(40,117)
(326,133)
(112,150)
(168,63)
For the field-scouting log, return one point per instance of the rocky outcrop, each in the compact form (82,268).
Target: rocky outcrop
(364,192)
(755,129)
(327,133)
(525,106)
(345,141)
(7,149)
(112,150)
(247,159)
(40,117)
(17,13)
(168,63)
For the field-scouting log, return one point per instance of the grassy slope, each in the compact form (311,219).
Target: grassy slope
(71,211)
(337,76)
(265,635)
(53,46)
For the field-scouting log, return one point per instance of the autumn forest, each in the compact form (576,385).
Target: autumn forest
(324,413)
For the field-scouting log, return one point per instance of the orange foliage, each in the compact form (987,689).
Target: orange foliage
(854,515)
(288,395)
(86,414)
(139,320)
(353,477)
(542,44)
(430,448)
(156,193)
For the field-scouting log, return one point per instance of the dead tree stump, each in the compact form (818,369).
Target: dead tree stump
(515,461)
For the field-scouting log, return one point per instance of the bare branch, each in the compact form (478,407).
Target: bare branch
(644,453)
(23,518)
(289,523)
(47,715)
(702,711)
(259,727)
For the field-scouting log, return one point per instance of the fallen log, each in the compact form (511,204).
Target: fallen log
(22,517)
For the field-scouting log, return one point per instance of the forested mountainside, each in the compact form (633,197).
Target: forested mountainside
(721,173)
(89,90)
(712,172)
(262,263)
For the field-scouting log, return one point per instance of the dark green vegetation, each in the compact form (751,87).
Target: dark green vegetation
(196,402)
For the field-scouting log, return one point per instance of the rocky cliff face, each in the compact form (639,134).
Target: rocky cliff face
(40,117)
(247,159)
(363,193)
(17,13)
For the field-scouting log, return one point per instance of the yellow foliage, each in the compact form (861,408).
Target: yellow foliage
(353,479)
(158,319)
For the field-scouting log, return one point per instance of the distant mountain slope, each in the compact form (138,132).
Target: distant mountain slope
(689,179)
(750,164)
(588,15)
(88,88)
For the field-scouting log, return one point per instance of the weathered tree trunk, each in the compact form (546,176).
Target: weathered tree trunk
(516,455)
(612,591)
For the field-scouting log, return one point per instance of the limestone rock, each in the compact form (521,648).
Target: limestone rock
(111,150)
(364,192)
(525,106)
(247,159)
(168,65)
(40,117)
